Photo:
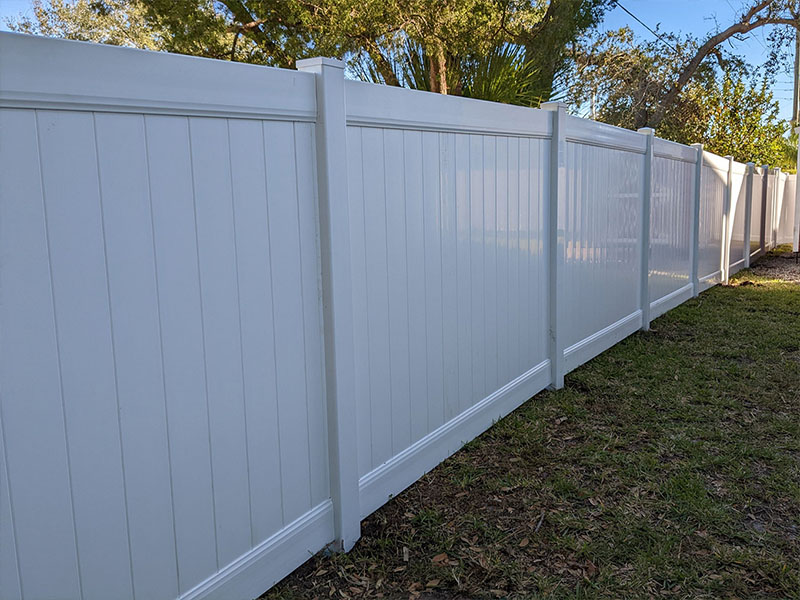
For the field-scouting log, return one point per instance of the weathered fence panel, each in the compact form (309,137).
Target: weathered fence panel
(242,307)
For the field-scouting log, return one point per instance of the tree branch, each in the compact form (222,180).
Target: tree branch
(744,25)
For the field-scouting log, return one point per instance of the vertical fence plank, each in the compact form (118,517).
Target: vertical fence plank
(434,225)
(31,409)
(86,347)
(175,247)
(647,200)
(416,259)
(468,193)
(748,211)
(796,226)
(284,235)
(219,294)
(254,276)
(397,272)
(308,219)
(775,209)
(695,243)
(479,172)
(764,207)
(484,273)
(451,357)
(137,350)
(727,222)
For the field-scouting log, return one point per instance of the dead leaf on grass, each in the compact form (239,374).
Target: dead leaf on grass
(440,560)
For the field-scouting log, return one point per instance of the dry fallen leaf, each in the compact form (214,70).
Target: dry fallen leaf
(524,542)
(432,583)
(440,559)
(591,569)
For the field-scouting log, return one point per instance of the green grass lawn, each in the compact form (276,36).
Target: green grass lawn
(669,466)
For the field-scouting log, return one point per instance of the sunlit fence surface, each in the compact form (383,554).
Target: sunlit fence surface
(243,307)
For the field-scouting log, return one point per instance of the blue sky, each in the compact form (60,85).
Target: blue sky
(689,16)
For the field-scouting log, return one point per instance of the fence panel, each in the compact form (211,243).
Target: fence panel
(757,215)
(769,214)
(449,273)
(736,224)
(670,226)
(163,410)
(712,206)
(786,212)
(600,222)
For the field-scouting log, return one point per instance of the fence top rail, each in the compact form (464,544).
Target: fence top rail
(89,76)
(714,161)
(739,168)
(586,131)
(673,150)
(372,105)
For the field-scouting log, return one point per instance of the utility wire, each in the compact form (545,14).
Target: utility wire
(751,35)
(646,26)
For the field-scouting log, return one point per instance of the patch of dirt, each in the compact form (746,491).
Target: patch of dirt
(778,264)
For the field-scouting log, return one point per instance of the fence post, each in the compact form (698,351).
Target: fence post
(796,226)
(695,245)
(748,211)
(775,214)
(556,248)
(725,258)
(763,229)
(647,198)
(337,305)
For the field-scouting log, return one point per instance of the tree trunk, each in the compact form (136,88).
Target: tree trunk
(438,70)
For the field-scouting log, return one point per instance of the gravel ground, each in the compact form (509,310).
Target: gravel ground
(780,264)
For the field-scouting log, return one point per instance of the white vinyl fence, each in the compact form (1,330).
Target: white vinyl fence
(242,307)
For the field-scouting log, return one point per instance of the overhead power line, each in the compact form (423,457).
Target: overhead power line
(646,26)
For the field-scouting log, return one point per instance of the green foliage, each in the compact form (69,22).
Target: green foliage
(117,22)
(501,74)
(727,106)
(731,116)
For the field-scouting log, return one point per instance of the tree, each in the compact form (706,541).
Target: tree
(727,105)
(733,116)
(660,70)
(115,22)
(759,14)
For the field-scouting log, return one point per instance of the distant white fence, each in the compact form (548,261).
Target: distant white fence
(241,307)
